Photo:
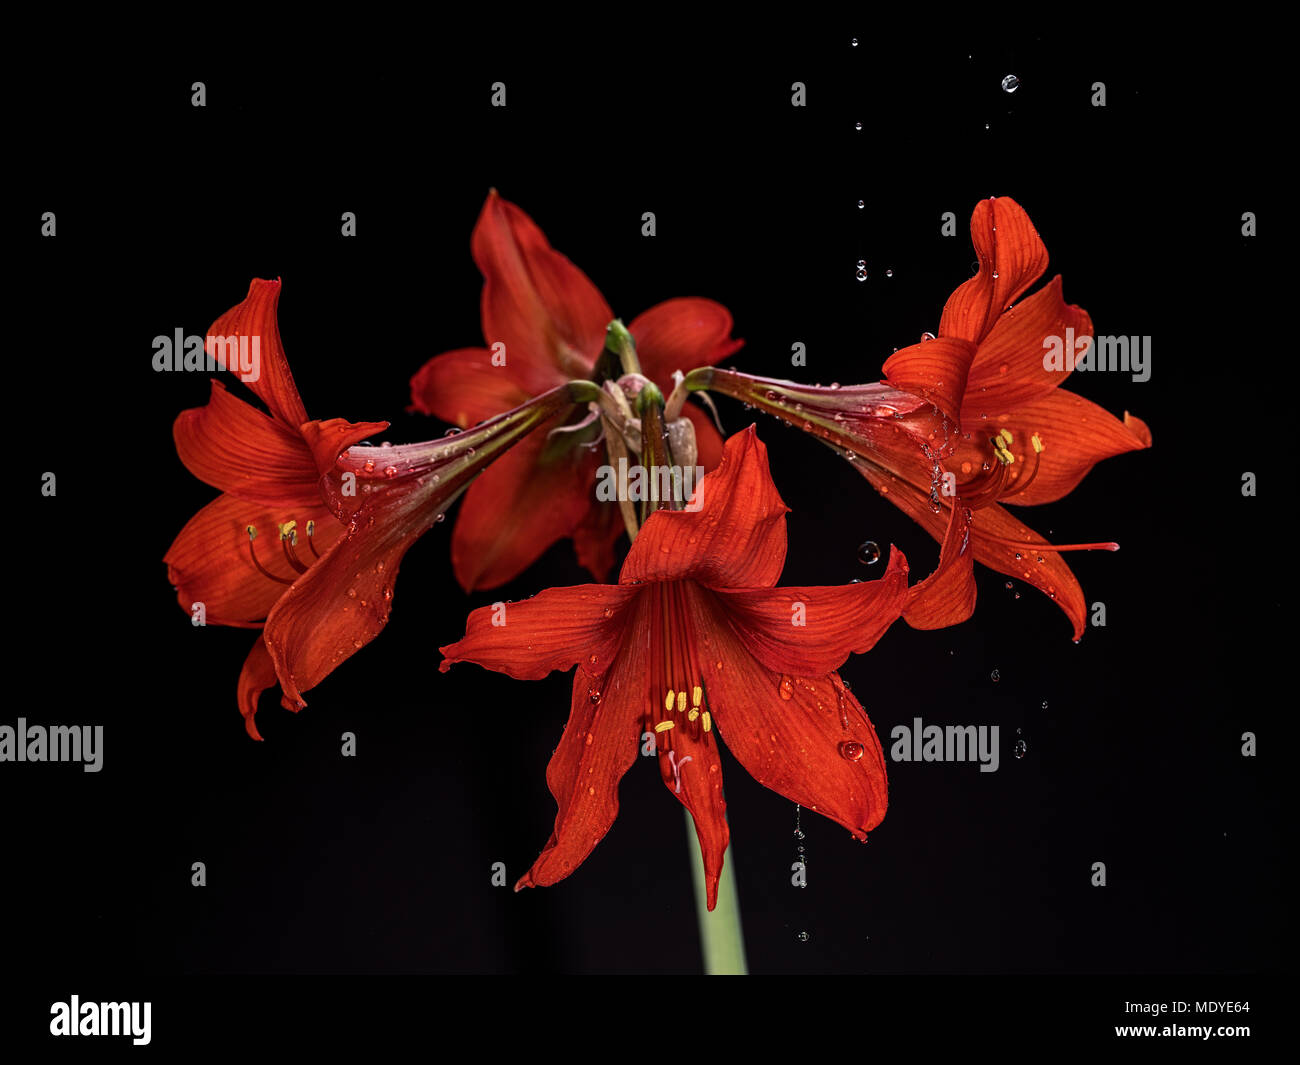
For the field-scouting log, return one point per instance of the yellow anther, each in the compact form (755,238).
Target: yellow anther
(708,721)
(696,695)
(668,700)
(311,528)
(692,715)
(1037,441)
(681,701)
(1005,434)
(1004,456)
(663,726)
(288,529)
(252,532)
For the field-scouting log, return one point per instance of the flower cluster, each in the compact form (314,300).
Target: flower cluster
(696,644)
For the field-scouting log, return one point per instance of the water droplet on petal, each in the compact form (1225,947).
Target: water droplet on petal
(786,688)
(852,750)
(390,471)
(369,466)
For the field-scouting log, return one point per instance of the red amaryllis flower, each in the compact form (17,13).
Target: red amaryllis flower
(695,641)
(545,323)
(305,540)
(974,402)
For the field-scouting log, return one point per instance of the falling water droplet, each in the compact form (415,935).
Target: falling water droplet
(862,204)
(1009,586)
(1020,748)
(1044,704)
(995,676)
(889,273)
(1010,83)
(855,42)
(862,270)
(803,937)
(852,750)
(857,125)
(869,553)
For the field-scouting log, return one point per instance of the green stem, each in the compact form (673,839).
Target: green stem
(722,942)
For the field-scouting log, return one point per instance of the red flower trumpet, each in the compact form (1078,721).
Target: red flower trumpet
(306,538)
(969,420)
(545,323)
(695,643)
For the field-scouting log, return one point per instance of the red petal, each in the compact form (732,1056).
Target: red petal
(832,622)
(594,539)
(1008,368)
(464,387)
(550,317)
(708,441)
(790,731)
(691,769)
(233,446)
(736,539)
(257,675)
(328,440)
(518,508)
(555,629)
(681,334)
(1051,576)
(1011,256)
(936,369)
(947,596)
(599,745)
(256,317)
(210,561)
(1076,435)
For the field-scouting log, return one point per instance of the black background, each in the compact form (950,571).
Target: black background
(381,863)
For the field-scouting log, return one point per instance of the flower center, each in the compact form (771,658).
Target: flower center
(995,483)
(288,531)
(678,698)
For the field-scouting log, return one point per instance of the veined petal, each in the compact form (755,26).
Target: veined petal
(805,737)
(464,387)
(397,494)
(1011,258)
(947,596)
(328,439)
(233,446)
(555,629)
(256,317)
(1021,559)
(936,369)
(1074,433)
(813,630)
(519,508)
(599,745)
(211,561)
(681,334)
(545,310)
(691,769)
(736,537)
(257,675)
(1008,370)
